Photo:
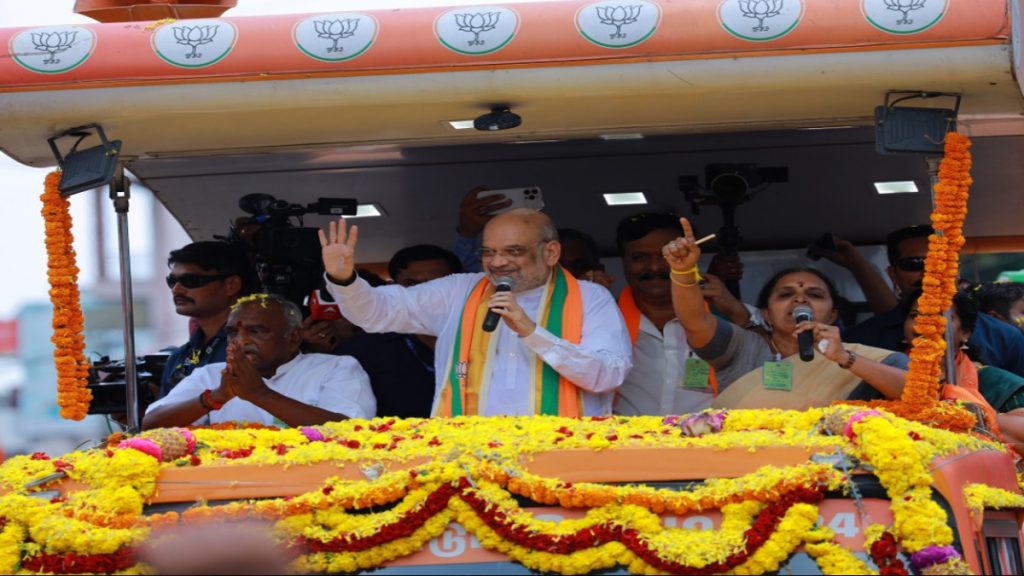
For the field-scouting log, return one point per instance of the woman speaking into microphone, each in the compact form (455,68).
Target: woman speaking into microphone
(769,371)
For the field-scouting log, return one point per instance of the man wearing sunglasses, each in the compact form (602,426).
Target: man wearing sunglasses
(205,279)
(996,343)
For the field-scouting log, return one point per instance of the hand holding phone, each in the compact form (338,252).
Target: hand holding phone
(526,197)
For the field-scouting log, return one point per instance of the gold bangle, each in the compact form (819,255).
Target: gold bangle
(678,283)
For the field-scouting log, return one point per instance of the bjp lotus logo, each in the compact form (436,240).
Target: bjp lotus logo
(618,16)
(54,43)
(195,36)
(905,7)
(760,10)
(477,23)
(336,30)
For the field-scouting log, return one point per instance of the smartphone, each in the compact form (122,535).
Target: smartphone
(321,307)
(824,245)
(527,197)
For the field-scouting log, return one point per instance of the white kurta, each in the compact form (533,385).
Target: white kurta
(598,365)
(334,383)
(655,385)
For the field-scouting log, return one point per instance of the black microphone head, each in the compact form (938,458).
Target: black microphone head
(504,284)
(803,313)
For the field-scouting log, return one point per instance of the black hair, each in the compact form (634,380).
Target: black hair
(587,240)
(893,239)
(998,297)
(766,290)
(372,278)
(401,260)
(218,256)
(639,225)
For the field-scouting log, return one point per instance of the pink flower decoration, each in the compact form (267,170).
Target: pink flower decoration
(190,439)
(144,445)
(857,417)
(312,434)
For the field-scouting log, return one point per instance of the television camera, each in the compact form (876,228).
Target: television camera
(287,256)
(108,383)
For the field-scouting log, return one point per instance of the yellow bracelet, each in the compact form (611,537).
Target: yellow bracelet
(678,283)
(695,271)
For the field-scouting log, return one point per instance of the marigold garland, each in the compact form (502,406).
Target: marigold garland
(68,339)
(474,475)
(920,400)
(980,497)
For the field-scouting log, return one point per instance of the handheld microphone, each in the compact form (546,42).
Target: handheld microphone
(805,339)
(501,284)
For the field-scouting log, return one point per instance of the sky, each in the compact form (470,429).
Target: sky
(21,234)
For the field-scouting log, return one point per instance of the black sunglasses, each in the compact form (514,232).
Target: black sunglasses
(191,281)
(912,264)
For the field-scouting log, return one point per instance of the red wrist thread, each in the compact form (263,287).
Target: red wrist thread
(206,399)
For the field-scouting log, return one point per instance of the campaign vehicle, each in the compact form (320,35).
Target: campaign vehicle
(768,122)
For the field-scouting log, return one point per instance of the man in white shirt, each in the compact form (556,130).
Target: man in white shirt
(657,384)
(266,379)
(525,367)
(667,378)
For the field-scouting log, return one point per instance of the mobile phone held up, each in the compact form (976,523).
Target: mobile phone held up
(823,246)
(527,197)
(321,307)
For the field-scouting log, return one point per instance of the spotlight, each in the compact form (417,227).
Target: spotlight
(499,118)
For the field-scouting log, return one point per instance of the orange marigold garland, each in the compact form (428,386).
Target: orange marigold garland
(73,396)
(920,399)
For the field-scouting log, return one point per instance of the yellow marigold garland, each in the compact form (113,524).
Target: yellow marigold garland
(108,513)
(831,557)
(68,323)
(979,497)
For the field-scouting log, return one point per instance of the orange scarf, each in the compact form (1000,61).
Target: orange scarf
(470,364)
(631,314)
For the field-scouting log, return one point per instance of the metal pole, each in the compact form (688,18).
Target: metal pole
(120,193)
(950,360)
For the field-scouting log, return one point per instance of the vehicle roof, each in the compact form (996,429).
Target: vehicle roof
(269,119)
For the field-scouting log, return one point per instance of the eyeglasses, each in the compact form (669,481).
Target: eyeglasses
(192,281)
(509,252)
(912,264)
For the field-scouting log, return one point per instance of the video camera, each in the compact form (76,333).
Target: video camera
(287,257)
(109,386)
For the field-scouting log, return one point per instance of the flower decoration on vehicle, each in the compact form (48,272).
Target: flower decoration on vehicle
(68,339)
(920,399)
(766,515)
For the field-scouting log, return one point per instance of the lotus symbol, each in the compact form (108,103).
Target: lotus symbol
(905,7)
(195,36)
(760,10)
(477,22)
(53,43)
(336,30)
(618,16)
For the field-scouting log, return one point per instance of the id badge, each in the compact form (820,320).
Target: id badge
(778,375)
(697,374)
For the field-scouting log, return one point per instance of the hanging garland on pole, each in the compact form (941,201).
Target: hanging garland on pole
(68,339)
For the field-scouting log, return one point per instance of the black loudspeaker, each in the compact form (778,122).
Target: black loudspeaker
(910,130)
(86,169)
